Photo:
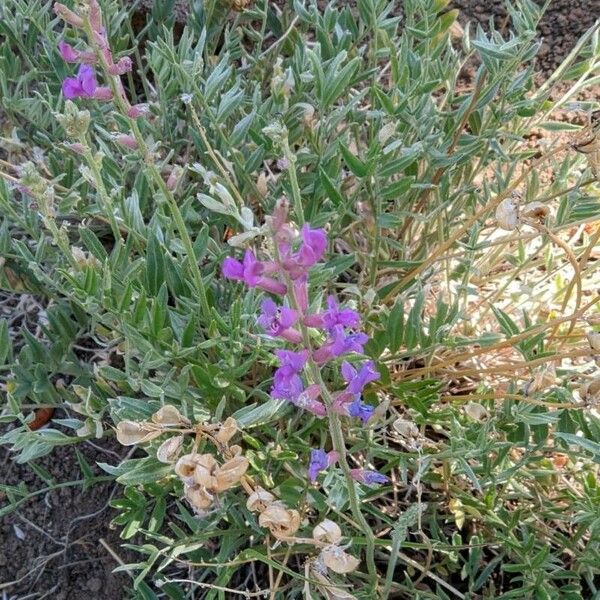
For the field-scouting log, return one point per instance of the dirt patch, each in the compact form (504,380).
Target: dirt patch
(50,547)
(562,25)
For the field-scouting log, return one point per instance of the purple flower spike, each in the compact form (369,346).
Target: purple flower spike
(357,380)
(82,86)
(277,321)
(319,461)
(68,53)
(370,478)
(251,273)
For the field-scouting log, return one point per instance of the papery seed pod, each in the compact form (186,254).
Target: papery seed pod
(327,531)
(198,497)
(231,472)
(338,561)
(130,433)
(186,466)
(282,522)
(476,411)
(406,429)
(590,391)
(593,340)
(168,415)
(507,214)
(235,450)
(227,430)
(168,451)
(328,590)
(204,473)
(535,210)
(259,499)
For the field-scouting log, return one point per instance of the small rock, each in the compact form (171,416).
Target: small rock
(94,584)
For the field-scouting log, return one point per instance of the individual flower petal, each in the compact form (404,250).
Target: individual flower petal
(87,78)
(357,380)
(319,461)
(357,408)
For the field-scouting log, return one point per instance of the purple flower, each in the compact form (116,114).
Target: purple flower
(68,53)
(319,461)
(85,86)
(314,243)
(334,316)
(357,408)
(367,477)
(340,343)
(357,380)
(308,400)
(287,383)
(277,321)
(251,273)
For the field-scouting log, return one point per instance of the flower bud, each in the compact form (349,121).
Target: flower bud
(68,15)
(138,110)
(123,65)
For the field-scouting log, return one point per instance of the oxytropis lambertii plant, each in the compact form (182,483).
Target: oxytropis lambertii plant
(318,340)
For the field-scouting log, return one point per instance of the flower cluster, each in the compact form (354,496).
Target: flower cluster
(85,83)
(335,329)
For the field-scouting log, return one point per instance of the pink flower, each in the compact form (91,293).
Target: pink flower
(67,52)
(251,272)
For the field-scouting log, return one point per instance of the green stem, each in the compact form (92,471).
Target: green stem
(122,105)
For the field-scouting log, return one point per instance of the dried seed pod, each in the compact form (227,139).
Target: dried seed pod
(535,210)
(590,391)
(337,560)
(328,590)
(235,450)
(406,429)
(168,451)
(205,471)
(476,411)
(327,531)
(507,214)
(227,430)
(593,340)
(231,472)
(186,466)
(168,415)
(282,522)
(259,499)
(130,433)
(198,497)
